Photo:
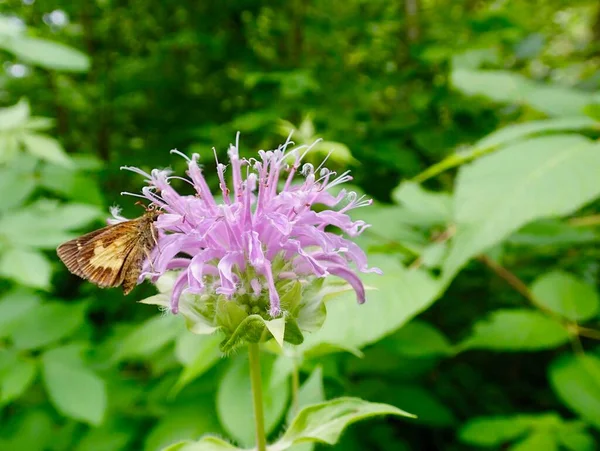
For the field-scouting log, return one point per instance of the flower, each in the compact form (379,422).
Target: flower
(261,236)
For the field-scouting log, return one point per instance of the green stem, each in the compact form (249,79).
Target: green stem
(257,397)
(295,388)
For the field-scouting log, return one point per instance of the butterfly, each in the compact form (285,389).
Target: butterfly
(113,256)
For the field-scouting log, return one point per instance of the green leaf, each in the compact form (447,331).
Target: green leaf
(17,181)
(325,422)
(45,224)
(516,330)
(205,444)
(48,54)
(234,402)
(46,148)
(510,87)
(310,392)
(493,431)
(27,267)
(73,184)
(518,131)
(529,180)
(16,380)
(181,422)
(15,305)
(111,436)
(537,441)
(576,380)
(418,339)
(149,337)
(14,116)
(47,324)
(432,208)
(399,294)
(75,390)
(198,359)
(567,295)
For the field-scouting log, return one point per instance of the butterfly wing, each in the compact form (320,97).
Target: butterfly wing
(69,252)
(102,259)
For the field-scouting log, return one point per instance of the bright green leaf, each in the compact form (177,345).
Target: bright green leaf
(325,422)
(75,390)
(576,380)
(189,421)
(493,431)
(48,54)
(399,294)
(529,180)
(516,330)
(14,305)
(517,131)
(537,441)
(197,360)
(205,444)
(234,402)
(150,336)
(46,148)
(48,323)
(28,267)
(418,339)
(567,295)
(511,87)
(433,208)
(14,116)
(16,380)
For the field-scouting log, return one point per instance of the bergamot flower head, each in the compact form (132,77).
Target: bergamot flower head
(262,240)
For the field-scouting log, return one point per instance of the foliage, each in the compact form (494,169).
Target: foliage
(474,125)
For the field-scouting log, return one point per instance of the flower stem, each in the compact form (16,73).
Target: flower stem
(257,397)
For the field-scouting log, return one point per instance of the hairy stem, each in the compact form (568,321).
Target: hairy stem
(257,397)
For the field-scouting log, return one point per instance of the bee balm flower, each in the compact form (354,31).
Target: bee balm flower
(264,235)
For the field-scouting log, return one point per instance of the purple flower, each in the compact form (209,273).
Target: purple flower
(262,232)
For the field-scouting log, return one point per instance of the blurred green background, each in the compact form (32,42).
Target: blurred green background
(473,124)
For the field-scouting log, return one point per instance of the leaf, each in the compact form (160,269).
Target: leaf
(567,295)
(234,401)
(14,116)
(325,422)
(75,390)
(418,339)
(150,336)
(399,295)
(15,381)
(205,444)
(30,268)
(110,436)
(516,330)
(15,305)
(17,181)
(48,54)
(493,431)
(517,131)
(576,381)
(180,422)
(46,148)
(310,392)
(47,324)
(433,208)
(510,87)
(537,441)
(45,224)
(204,355)
(529,180)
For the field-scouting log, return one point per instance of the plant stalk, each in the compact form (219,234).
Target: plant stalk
(257,396)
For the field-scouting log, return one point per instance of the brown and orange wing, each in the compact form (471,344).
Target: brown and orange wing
(103,259)
(69,252)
